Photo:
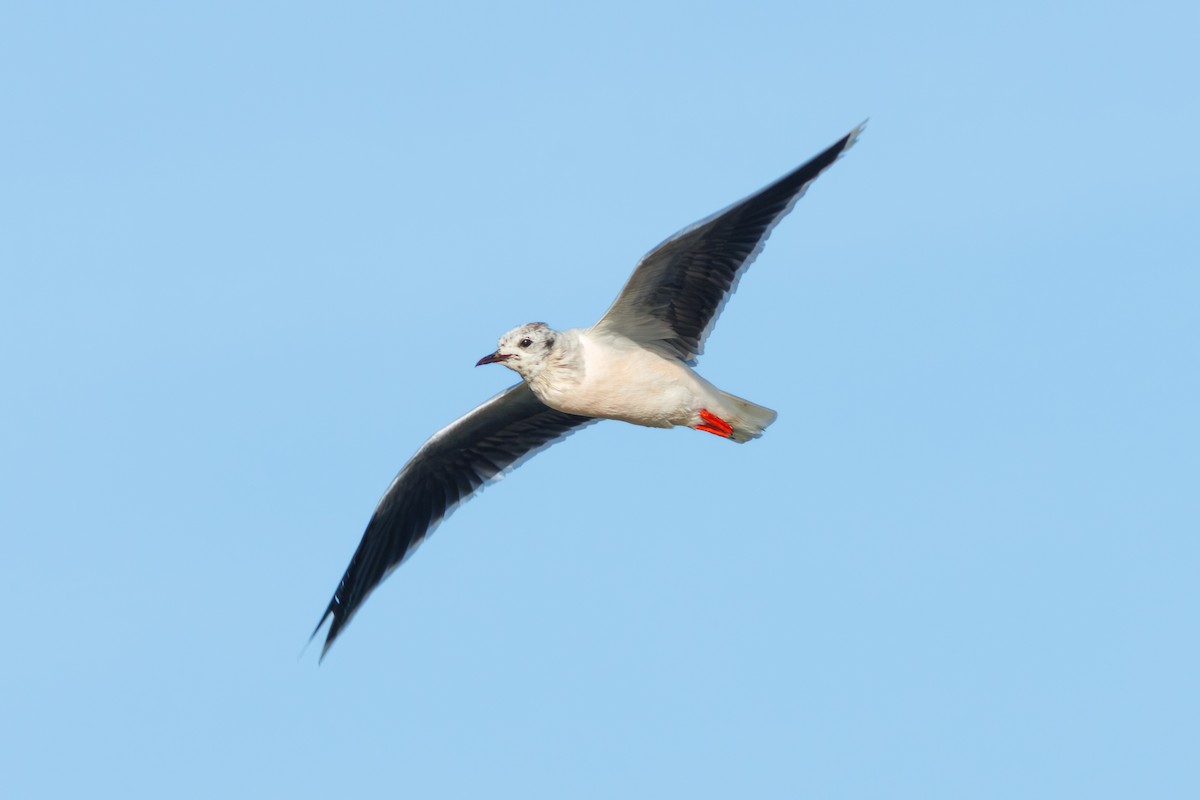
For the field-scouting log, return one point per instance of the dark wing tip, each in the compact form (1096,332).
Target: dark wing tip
(822,161)
(334,611)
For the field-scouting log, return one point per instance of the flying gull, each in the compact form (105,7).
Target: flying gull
(634,365)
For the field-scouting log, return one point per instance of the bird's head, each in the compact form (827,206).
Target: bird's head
(524,349)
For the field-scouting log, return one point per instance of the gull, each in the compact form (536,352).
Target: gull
(634,365)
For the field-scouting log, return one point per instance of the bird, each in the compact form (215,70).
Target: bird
(636,365)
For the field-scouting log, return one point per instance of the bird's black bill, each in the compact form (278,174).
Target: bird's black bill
(492,358)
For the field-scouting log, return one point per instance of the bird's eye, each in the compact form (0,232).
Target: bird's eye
(525,342)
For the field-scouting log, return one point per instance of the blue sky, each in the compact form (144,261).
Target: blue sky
(251,253)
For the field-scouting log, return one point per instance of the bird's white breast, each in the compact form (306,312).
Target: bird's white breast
(609,376)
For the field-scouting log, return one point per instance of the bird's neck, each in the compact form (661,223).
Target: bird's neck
(562,370)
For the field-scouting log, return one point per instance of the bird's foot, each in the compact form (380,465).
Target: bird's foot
(714,424)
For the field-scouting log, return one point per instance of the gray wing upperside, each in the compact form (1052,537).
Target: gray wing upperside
(454,464)
(679,288)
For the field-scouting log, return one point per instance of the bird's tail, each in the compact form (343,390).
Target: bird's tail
(748,420)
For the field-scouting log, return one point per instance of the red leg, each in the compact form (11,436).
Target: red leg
(714,424)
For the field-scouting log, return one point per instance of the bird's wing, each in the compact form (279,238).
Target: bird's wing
(456,462)
(678,289)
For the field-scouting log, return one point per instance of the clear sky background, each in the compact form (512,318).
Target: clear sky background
(251,252)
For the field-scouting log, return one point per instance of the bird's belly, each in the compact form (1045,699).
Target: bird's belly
(642,388)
